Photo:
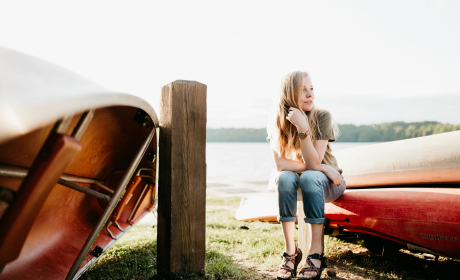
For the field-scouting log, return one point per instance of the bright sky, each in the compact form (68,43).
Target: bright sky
(370,61)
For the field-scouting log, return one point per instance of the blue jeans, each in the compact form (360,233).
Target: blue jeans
(316,188)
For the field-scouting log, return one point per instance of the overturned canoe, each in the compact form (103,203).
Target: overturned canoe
(419,218)
(255,208)
(77,168)
(423,219)
(424,160)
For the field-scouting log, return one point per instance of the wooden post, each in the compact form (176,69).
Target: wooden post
(182,178)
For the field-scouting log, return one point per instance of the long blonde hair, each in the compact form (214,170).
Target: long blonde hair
(289,96)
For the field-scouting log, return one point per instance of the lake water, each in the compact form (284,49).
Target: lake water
(248,161)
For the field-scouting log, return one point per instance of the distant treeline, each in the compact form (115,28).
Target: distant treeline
(348,132)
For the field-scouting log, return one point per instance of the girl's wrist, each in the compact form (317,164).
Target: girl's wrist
(303,128)
(320,167)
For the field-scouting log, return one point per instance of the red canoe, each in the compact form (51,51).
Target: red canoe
(423,219)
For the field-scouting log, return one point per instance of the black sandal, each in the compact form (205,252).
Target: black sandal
(313,267)
(294,258)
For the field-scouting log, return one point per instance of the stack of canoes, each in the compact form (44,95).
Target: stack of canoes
(405,192)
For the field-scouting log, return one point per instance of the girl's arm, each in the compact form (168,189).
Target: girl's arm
(284,164)
(312,154)
(331,173)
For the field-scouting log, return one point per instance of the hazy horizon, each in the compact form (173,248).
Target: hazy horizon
(337,121)
(370,61)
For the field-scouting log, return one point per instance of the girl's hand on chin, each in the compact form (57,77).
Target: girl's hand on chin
(298,119)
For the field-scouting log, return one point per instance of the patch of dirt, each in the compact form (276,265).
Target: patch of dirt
(353,261)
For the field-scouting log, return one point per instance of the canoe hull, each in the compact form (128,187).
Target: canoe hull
(425,217)
(433,159)
(418,217)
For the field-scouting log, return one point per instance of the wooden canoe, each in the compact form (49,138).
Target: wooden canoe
(77,168)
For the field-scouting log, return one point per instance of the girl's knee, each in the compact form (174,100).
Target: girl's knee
(311,181)
(287,181)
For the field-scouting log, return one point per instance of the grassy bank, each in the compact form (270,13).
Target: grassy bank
(239,250)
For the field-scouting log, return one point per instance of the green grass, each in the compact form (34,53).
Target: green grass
(134,255)
(240,250)
(233,200)
(253,244)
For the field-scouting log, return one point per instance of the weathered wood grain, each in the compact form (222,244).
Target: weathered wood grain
(182,177)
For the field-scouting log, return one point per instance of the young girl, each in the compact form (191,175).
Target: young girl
(299,137)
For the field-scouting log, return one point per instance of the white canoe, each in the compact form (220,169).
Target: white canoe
(425,160)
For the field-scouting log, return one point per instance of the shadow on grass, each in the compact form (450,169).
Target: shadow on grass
(402,264)
(141,263)
(125,262)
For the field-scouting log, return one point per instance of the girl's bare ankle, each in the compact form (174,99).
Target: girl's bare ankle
(290,249)
(316,249)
